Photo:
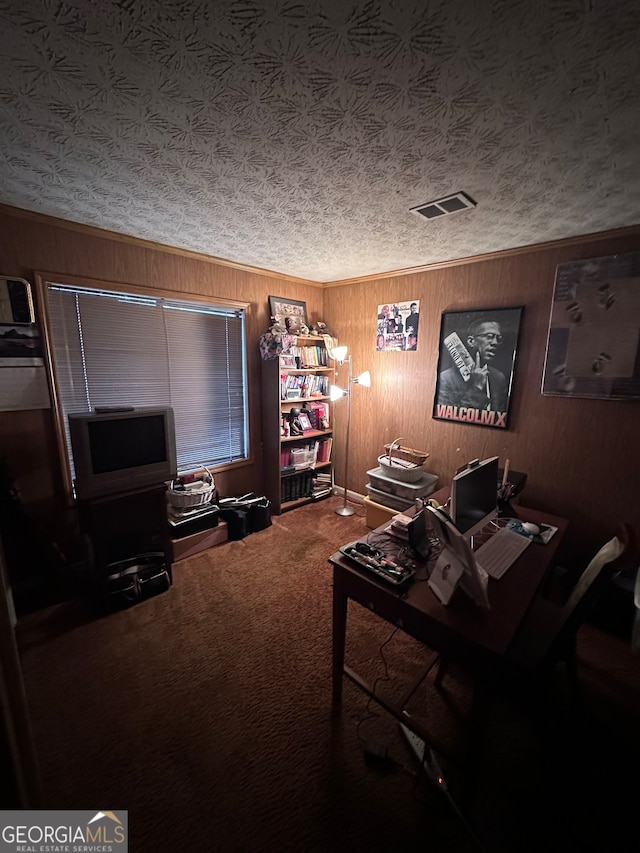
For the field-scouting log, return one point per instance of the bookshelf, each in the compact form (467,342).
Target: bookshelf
(297,468)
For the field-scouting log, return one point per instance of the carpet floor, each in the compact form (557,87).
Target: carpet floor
(206,712)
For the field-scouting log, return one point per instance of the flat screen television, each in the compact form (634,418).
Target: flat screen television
(118,451)
(474,496)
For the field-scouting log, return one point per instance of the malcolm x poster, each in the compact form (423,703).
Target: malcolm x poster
(475,367)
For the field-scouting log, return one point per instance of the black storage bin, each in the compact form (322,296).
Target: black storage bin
(245,514)
(136,578)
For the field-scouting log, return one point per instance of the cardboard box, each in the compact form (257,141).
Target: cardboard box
(377,514)
(187,546)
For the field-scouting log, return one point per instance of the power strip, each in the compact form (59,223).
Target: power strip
(425,756)
(433,771)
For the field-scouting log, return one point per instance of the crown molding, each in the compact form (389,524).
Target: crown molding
(491,256)
(103,233)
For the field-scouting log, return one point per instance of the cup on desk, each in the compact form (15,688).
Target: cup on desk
(505,492)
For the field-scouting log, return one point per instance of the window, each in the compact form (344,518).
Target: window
(112,348)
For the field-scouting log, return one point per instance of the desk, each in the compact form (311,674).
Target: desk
(461,625)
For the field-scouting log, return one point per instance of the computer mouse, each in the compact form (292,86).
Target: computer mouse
(530,527)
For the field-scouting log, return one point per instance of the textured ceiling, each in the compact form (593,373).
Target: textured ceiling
(296,139)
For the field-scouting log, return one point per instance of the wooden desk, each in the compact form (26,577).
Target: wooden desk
(459,626)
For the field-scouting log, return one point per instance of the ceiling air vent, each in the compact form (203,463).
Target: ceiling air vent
(444,206)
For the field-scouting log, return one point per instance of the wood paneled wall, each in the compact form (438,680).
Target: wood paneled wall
(30,244)
(580,455)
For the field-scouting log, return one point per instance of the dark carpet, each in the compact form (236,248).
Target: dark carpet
(206,712)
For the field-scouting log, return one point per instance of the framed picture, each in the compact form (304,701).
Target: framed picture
(16,304)
(290,313)
(20,345)
(303,417)
(475,366)
(594,330)
(288,361)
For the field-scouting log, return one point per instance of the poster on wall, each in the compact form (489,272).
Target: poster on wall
(398,325)
(20,345)
(594,330)
(475,366)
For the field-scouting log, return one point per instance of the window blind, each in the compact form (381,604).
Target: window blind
(122,349)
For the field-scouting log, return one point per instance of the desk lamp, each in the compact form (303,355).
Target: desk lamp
(364,379)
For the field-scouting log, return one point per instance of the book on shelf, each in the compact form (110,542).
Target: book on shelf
(311,356)
(324,451)
(320,493)
(318,409)
(298,486)
(303,386)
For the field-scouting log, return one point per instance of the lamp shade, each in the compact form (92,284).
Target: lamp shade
(336,393)
(364,379)
(339,353)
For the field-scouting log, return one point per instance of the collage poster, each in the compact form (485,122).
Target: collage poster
(398,325)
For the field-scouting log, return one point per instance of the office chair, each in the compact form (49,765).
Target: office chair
(546,637)
(548,632)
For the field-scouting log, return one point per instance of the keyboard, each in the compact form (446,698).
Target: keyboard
(498,554)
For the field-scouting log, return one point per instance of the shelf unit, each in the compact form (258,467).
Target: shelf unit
(287,486)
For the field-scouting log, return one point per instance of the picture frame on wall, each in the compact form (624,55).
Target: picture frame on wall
(290,313)
(593,344)
(16,301)
(475,365)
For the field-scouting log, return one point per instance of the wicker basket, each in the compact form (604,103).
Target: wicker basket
(402,463)
(406,454)
(199,495)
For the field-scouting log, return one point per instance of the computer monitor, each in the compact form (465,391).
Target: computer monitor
(474,496)
(456,565)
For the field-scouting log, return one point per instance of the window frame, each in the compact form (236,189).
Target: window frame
(44,279)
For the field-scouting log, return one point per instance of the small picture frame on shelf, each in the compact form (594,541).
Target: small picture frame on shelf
(288,361)
(304,421)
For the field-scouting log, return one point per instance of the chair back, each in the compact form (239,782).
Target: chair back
(548,631)
(614,556)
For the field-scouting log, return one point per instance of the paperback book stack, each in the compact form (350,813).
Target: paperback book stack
(321,486)
(399,527)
